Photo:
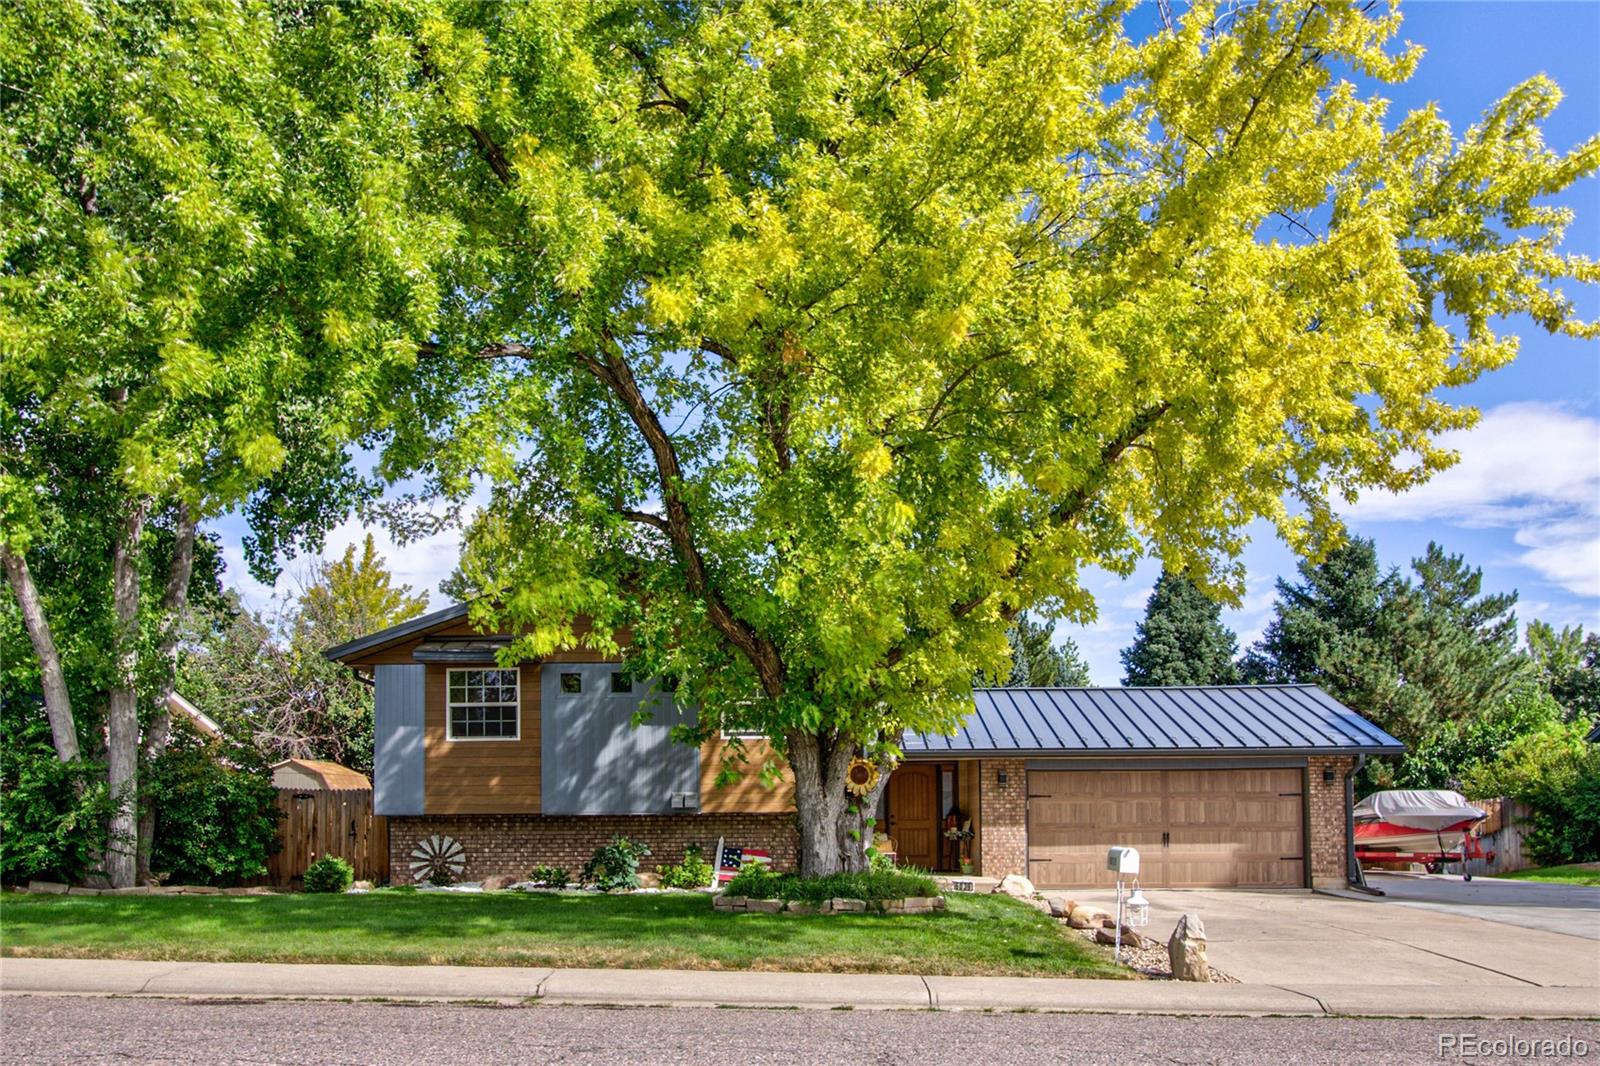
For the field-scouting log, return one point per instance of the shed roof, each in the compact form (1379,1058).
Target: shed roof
(332,775)
(1208,719)
(420,624)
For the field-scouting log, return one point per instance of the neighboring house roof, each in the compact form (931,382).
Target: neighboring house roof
(316,773)
(420,624)
(1201,720)
(176,704)
(1594,734)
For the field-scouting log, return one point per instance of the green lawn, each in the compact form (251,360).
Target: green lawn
(1582,873)
(976,935)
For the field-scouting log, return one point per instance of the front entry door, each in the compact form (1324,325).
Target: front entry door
(914,815)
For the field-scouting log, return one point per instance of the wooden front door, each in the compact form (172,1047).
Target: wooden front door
(914,814)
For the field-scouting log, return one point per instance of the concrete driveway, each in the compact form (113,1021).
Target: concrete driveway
(1427,932)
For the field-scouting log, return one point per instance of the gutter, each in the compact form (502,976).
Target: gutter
(1353,875)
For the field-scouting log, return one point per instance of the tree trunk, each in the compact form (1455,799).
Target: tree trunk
(820,765)
(57,700)
(173,604)
(122,717)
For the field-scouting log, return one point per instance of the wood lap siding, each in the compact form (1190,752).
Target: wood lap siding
(482,776)
(746,795)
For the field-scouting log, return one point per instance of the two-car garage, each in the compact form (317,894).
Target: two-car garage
(1194,828)
(1218,786)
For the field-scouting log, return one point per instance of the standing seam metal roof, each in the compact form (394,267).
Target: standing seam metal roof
(1192,719)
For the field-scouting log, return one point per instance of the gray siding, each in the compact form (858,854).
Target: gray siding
(593,761)
(397,755)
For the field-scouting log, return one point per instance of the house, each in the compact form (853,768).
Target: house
(1217,786)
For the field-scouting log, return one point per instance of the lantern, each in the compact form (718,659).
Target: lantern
(1136,911)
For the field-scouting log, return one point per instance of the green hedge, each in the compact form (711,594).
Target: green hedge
(757,882)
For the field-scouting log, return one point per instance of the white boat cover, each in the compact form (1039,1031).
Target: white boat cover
(1432,808)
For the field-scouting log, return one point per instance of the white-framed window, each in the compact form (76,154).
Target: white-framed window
(482,705)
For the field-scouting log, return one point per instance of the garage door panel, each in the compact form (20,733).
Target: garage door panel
(1193,828)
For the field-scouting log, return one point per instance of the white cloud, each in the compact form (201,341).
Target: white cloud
(1532,468)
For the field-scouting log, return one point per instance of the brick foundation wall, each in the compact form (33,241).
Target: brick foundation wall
(516,843)
(1325,813)
(1004,817)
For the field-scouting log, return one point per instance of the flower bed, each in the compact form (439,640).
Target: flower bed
(759,889)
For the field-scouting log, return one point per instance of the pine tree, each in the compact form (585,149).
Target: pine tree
(1414,655)
(1036,660)
(1181,640)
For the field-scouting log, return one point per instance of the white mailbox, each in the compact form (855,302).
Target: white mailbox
(1123,861)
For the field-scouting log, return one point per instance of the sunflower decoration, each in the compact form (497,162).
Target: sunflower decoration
(862,778)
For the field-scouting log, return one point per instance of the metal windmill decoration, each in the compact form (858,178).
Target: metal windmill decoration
(438,860)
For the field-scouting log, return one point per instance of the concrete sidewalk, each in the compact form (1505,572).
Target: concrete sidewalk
(702,988)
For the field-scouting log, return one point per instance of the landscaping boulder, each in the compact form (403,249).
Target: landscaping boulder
(1085,917)
(366,886)
(53,888)
(800,907)
(1187,950)
(649,879)
(764,906)
(1060,906)
(729,903)
(494,882)
(1015,885)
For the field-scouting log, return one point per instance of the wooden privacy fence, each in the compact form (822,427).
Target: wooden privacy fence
(318,822)
(1502,833)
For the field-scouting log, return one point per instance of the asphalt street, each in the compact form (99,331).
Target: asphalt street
(38,1029)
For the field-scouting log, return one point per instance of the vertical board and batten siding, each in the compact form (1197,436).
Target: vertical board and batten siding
(595,761)
(399,698)
(318,822)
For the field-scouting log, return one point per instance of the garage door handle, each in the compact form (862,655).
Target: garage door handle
(1166,839)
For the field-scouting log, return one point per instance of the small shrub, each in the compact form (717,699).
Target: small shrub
(692,872)
(439,875)
(879,863)
(546,876)
(329,874)
(615,865)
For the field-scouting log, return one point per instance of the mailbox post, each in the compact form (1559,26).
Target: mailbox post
(1124,862)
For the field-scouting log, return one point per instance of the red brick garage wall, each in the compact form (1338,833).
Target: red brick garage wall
(516,843)
(1325,814)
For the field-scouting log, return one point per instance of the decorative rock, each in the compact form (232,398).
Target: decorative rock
(729,903)
(1084,917)
(1135,938)
(800,907)
(1104,936)
(764,906)
(52,888)
(1015,885)
(1187,949)
(1060,906)
(493,883)
(360,886)
(648,879)
(83,890)
(844,906)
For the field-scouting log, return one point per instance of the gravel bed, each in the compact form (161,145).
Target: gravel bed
(1151,960)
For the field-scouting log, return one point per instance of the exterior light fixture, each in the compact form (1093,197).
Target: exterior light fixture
(1000,777)
(1136,909)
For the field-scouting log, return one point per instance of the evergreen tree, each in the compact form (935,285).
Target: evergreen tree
(1181,640)
(1037,661)
(1416,656)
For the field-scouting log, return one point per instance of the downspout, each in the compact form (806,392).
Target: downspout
(1353,875)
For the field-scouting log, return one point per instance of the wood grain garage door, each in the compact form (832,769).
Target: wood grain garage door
(1193,828)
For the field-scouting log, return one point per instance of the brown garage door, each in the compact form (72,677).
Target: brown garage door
(1193,828)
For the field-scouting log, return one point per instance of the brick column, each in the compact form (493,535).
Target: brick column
(1325,814)
(1004,818)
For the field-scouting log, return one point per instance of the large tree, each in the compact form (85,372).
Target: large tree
(204,278)
(813,342)
(1417,654)
(1181,639)
(1567,664)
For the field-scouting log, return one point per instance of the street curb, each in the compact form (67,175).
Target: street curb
(749,989)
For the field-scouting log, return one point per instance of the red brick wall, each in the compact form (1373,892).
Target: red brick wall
(1325,812)
(1004,817)
(516,843)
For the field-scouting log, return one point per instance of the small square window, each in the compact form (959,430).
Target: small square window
(621,682)
(571,683)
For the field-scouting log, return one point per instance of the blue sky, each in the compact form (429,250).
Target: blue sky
(1523,503)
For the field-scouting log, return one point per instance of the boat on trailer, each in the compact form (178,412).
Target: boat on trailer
(1429,826)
